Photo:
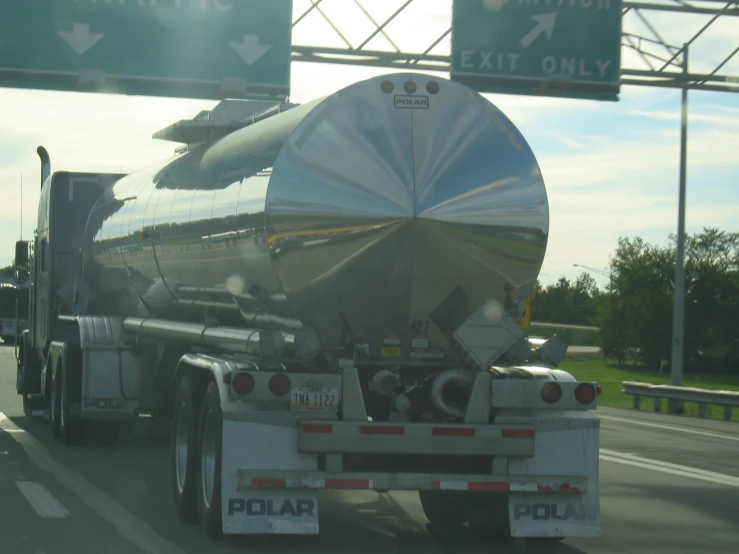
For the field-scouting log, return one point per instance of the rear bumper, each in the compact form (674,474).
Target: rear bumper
(250,479)
(544,464)
(347,437)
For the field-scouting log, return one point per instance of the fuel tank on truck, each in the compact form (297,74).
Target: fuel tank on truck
(393,208)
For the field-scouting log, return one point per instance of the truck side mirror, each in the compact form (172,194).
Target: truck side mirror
(21,262)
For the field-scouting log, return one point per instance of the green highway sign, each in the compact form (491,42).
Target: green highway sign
(564,48)
(176,48)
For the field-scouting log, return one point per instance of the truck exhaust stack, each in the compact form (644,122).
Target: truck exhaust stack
(45,164)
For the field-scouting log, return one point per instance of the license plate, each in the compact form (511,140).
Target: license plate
(303,399)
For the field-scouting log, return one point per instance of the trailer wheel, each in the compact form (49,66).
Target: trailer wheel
(184,444)
(444,508)
(210,437)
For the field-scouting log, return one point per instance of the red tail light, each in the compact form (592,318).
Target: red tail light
(410,87)
(432,87)
(585,393)
(243,383)
(279,384)
(387,87)
(551,392)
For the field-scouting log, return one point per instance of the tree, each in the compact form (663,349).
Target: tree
(712,299)
(7,272)
(638,314)
(567,302)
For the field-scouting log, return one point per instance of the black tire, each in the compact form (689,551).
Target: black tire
(55,401)
(70,428)
(184,478)
(210,438)
(445,509)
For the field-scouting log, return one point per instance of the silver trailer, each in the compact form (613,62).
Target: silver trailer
(319,296)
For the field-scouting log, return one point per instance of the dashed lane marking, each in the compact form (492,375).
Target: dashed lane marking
(665,467)
(128,525)
(41,500)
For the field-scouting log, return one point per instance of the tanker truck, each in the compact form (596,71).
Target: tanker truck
(318,296)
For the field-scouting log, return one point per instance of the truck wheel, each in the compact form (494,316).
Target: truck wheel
(210,436)
(444,508)
(69,427)
(184,445)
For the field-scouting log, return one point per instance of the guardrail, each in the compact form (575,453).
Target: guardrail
(726,399)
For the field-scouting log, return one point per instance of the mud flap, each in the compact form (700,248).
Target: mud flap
(271,512)
(267,510)
(554,515)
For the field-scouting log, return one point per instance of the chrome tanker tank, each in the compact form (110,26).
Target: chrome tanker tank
(394,207)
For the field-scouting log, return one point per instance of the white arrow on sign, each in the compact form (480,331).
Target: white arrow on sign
(249,49)
(80,38)
(544,24)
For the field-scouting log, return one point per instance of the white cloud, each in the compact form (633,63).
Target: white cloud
(639,162)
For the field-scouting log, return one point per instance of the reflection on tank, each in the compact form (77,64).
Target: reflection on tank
(345,215)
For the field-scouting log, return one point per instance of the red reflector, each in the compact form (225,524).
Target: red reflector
(432,87)
(381,430)
(387,87)
(317,428)
(410,87)
(226,378)
(279,384)
(585,393)
(347,484)
(453,431)
(488,486)
(600,390)
(564,487)
(551,392)
(243,383)
(265,482)
(518,434)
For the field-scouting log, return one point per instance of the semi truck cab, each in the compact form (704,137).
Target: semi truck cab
(53,263)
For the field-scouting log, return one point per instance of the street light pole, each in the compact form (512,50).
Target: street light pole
(678,318)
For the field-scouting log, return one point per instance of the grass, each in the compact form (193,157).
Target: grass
(610,377)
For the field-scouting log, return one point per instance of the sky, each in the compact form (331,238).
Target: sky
(611,168)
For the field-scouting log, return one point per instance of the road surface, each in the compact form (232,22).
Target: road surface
(668,484)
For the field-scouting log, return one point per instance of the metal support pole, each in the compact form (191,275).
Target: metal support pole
(678,319)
